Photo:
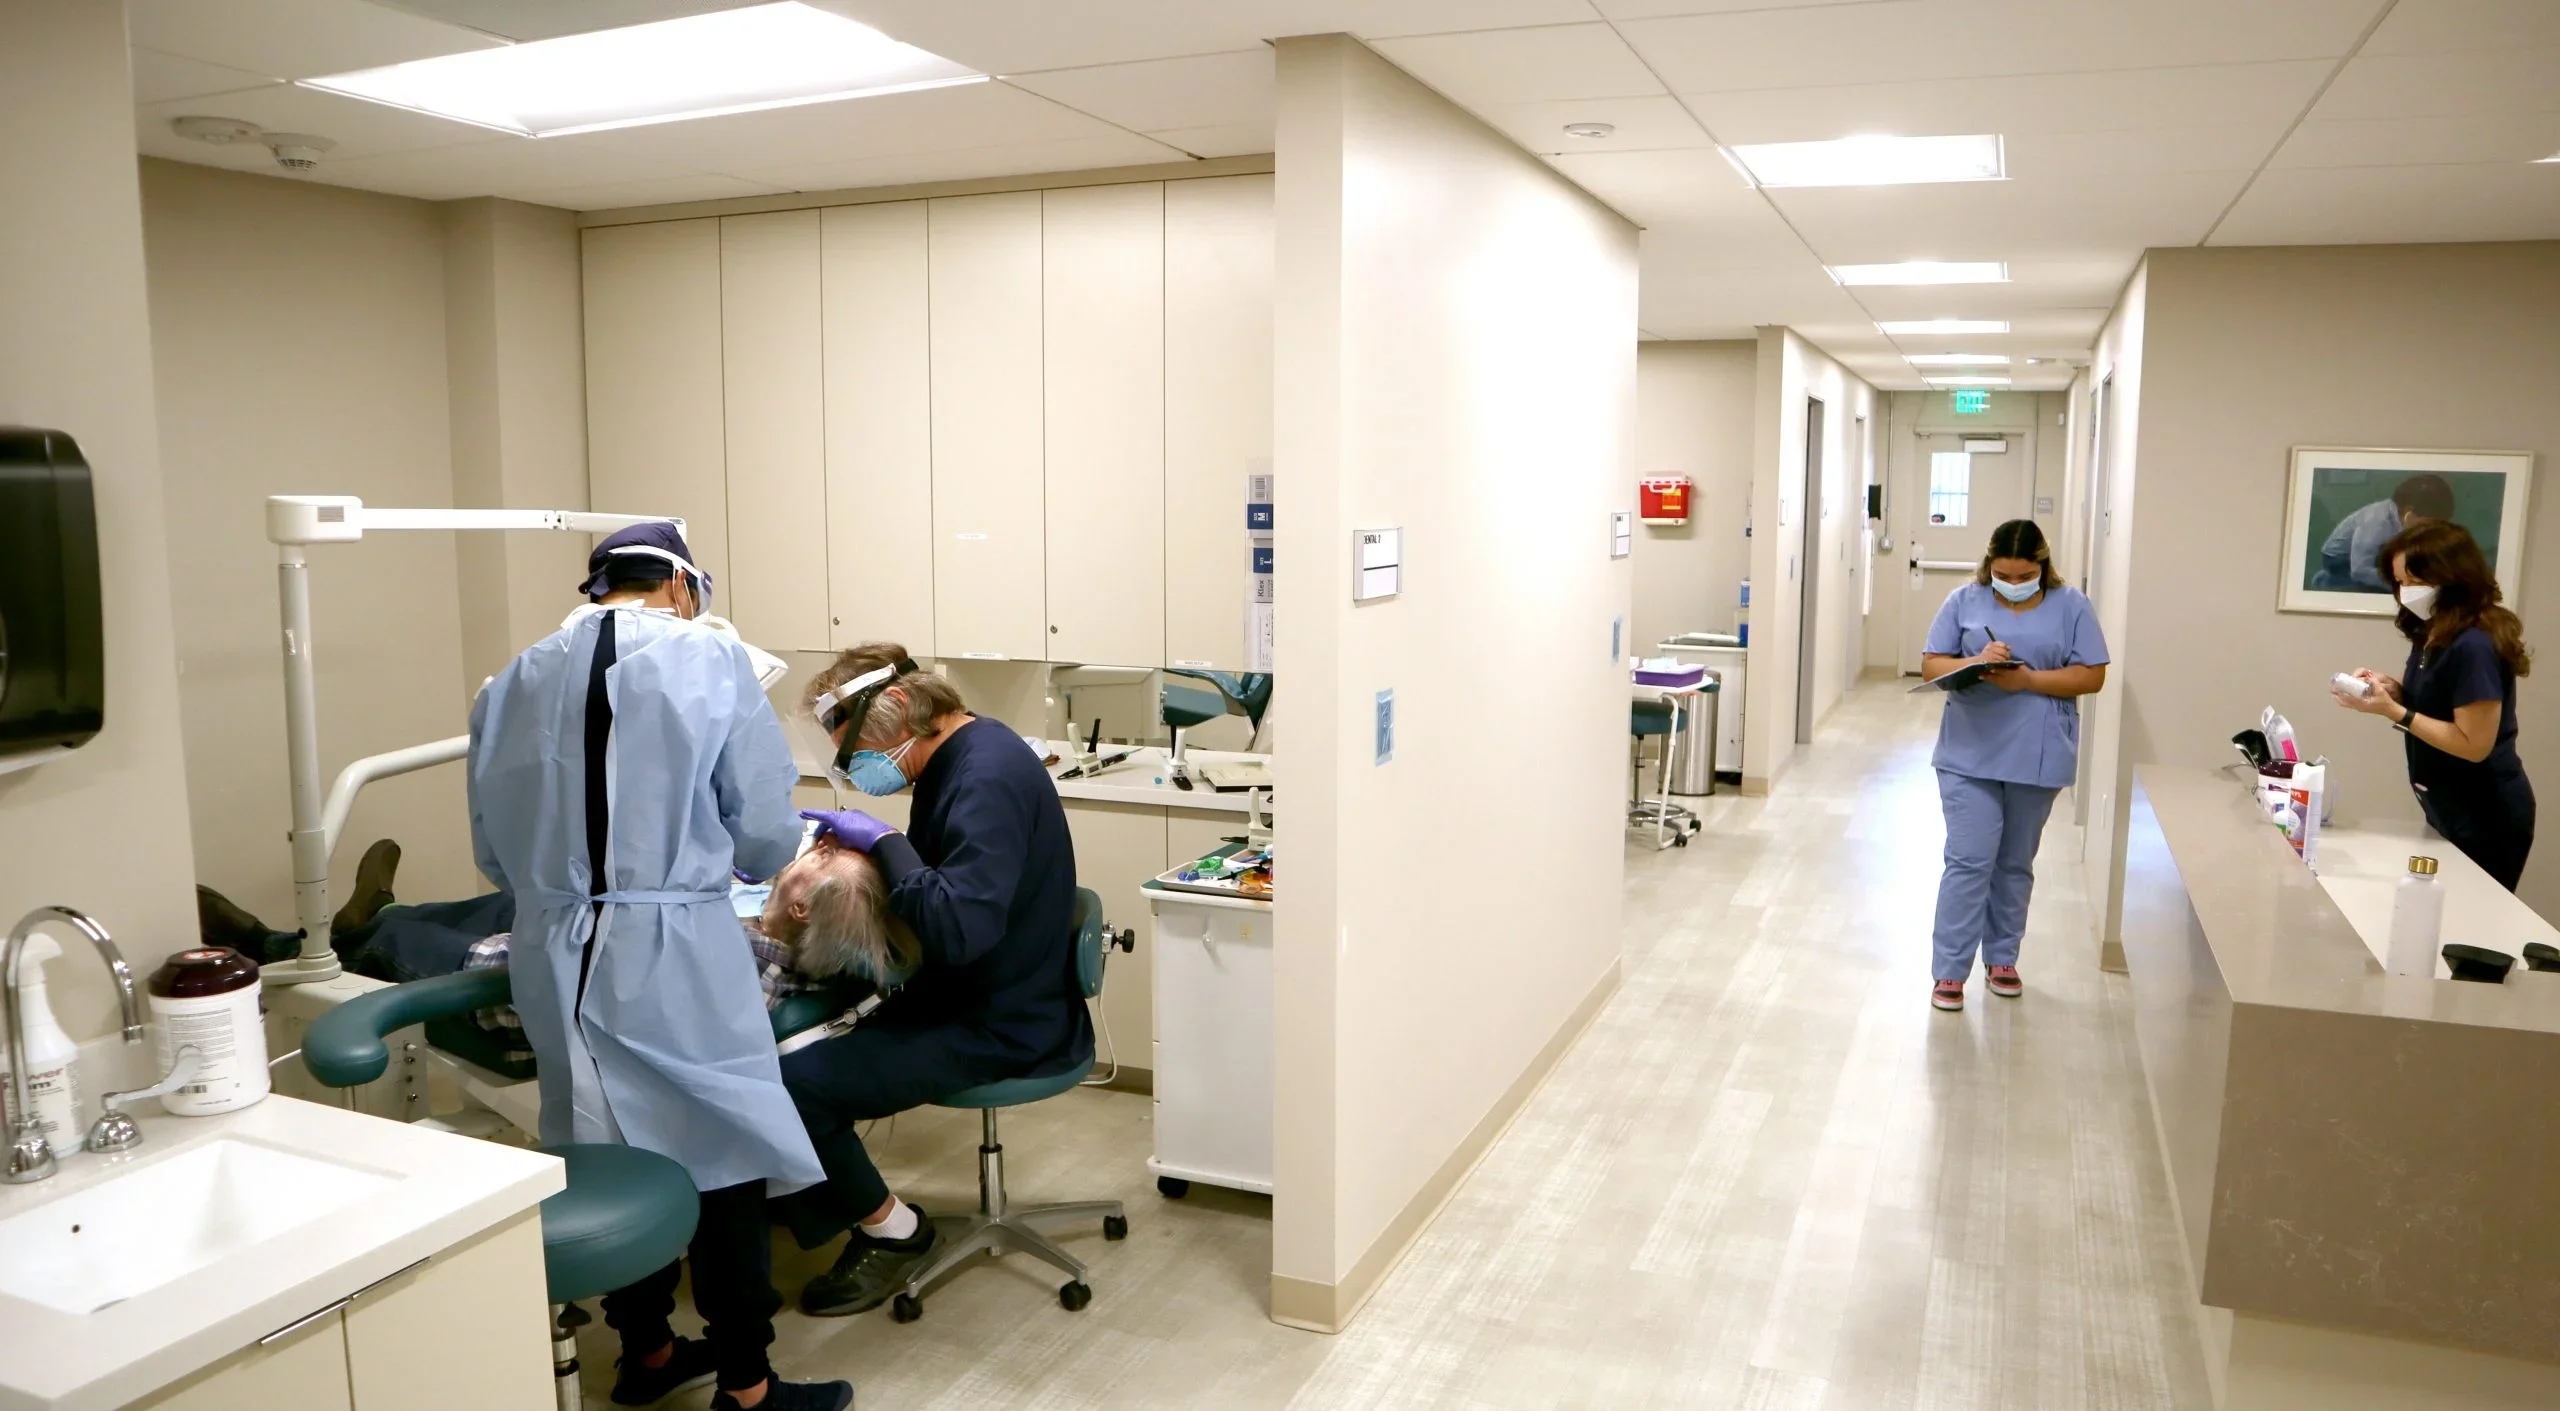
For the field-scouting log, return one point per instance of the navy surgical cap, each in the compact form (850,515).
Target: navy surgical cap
(664,538)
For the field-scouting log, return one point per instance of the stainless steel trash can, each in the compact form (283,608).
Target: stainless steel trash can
(1693,749)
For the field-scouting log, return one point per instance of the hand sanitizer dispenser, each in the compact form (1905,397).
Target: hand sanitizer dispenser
(53,659)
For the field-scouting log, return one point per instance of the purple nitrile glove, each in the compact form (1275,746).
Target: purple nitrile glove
(850,827)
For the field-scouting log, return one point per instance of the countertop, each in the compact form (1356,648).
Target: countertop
(1141,779)
(2361,867)
(448,1189)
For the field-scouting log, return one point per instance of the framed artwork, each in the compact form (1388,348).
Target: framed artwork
(2345,502)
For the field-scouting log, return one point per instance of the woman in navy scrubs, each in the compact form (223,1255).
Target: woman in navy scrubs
(2456,699)
(2006,745)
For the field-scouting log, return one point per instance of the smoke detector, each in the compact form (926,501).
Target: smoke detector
(221,132)
(1589,129)
(298,151)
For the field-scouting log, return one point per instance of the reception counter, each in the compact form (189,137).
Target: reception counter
(2361,1163)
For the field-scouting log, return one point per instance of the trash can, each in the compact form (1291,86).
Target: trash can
(1693,749)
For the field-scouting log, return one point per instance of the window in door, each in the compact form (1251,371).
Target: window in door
(1950,487)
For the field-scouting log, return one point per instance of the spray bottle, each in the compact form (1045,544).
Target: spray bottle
(53,1088)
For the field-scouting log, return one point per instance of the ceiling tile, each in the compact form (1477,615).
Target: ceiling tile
(2445,85)
(1643,125)
(502,168)
(661,192)
(2466,26)
(895,124)
(1902,40)
(1232,140)
(1209,90)
(2056,218)
(2037,156)
(158,77)
(1029,36)
(1734,301)
(1656,9)
(360,129)
(2381,142)
(1694,193)
(2394,205)
(1119,149)
(1524,65)
(294,38)
(2121,100)
(549,19)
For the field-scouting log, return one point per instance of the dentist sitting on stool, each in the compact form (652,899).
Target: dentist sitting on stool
(2006,745)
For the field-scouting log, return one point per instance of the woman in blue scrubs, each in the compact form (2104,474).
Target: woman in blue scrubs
(2006,745)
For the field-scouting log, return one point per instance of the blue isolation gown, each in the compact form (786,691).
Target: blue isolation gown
(638,993)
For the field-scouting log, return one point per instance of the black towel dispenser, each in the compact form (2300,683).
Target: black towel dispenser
(53,656)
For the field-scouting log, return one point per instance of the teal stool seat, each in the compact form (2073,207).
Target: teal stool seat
(625,1214)
(1015,1092)
(1652,718)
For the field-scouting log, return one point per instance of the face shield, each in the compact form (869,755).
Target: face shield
(846,708)
(695,578)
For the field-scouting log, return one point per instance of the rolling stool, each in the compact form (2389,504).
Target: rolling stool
(1672,824)
(625,1213)
(998,1228)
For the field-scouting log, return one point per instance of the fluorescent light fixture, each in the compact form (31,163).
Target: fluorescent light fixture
(1872,161)
(1969,381)
(1928,327)
(1957,359)
(729,61)
(1924,272)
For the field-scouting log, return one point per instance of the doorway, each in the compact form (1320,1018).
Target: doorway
(1809,554)
(1957,488)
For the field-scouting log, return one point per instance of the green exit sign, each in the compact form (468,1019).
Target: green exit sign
(1972,401)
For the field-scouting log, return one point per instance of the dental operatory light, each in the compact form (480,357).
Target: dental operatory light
(1942,327)
(1924,272)
(1871,161)
(1957,359)
(730,61)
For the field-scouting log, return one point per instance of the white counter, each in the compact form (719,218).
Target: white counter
(447,1189)
(1140,779)
(2360,867)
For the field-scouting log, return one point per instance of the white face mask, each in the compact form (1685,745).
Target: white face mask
(2419,599)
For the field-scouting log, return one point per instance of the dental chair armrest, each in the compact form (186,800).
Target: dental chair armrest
(344,1047)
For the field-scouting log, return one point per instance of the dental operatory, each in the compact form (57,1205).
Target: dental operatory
(656,655)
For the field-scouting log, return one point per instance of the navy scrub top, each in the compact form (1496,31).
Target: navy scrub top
(2014,737)
(2464,671)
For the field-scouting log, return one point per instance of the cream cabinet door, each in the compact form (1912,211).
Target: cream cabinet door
(470,1327)
(775,420)
(1103,303)
(1119,847)
(656,440)
(1217,384)
(988,516)
(305,1370)
(879,391)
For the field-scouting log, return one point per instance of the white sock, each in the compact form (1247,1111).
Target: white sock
(899,1225)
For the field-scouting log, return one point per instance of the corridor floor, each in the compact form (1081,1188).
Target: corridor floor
(1770,1176)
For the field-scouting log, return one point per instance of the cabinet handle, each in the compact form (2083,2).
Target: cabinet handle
(298,1324)
(396,1273)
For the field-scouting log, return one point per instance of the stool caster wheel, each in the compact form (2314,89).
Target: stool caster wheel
(1073,1297)
(1115,1227)
(1172,1187)
(905,1308)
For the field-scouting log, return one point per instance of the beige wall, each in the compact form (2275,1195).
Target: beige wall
(2251,352)
(107,829)
(1455,354)
(1693,418)
(2116,372)
(299,334)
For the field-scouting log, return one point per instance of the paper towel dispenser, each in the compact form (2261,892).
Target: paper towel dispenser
(53,659)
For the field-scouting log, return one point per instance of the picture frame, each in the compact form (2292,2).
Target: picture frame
(2343,502)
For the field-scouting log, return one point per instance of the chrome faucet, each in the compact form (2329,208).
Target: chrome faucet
(30,1155)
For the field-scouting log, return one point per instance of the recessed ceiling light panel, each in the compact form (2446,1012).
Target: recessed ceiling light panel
(1942,327)
(1925,272)
(729,61)
(1872,161)
(1959,359)
(1986,381)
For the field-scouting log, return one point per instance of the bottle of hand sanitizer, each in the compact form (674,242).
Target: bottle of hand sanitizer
(52,1088)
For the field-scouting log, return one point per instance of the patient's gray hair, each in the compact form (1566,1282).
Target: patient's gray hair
(851,930)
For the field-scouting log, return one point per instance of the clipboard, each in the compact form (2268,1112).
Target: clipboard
(1962,677)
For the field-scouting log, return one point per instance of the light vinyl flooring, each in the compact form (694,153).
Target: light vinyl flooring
(1770,1177)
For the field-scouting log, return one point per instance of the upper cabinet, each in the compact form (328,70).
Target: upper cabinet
(1103,307)
(989,517)
(656,443)
(1217,408)
(775,418)
(879,432)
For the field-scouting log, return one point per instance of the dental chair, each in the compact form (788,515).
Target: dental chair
(625,1213)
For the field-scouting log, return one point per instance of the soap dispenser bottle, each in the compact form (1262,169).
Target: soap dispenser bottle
(2417,920)
(53,1088)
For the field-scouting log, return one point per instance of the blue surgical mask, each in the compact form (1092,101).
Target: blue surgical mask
(874,773)
(2017,592)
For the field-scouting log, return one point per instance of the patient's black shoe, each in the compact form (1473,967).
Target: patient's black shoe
(868,1272)
(221,922)
(638,1384)
(372,890)
(780,1395)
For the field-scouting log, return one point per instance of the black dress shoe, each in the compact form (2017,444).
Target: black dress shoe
(372,890)
(221,922)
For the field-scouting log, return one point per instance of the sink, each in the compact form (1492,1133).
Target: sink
(160,1222)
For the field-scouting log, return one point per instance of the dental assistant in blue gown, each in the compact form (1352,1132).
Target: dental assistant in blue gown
(619,770)
(2006,746)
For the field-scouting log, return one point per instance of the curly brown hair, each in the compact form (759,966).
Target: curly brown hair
(2443,554)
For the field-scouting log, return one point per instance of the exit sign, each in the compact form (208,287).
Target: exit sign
(1972,401)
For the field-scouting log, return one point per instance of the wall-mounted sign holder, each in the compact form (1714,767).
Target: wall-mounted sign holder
(1377,564)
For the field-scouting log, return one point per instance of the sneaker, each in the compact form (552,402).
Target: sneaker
(868,1272)
(2005,982)
(780,1395)
(639,1384)
(1949,994)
